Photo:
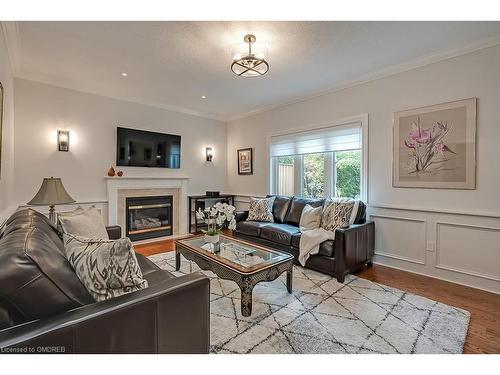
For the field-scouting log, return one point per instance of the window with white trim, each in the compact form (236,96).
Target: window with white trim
(319,163)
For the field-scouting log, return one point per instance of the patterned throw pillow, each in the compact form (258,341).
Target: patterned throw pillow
(338,213)
(261,209)
(107,268)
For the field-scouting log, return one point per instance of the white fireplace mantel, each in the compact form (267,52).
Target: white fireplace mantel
(114,184)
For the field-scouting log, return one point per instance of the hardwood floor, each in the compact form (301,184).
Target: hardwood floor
(484,329)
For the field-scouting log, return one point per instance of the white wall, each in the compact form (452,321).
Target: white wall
(7,157)
(92,120)
(460,228)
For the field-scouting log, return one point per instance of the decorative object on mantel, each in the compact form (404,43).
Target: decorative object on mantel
(51,192)
(111,172)
(245,161)
(435,146)
(215,217)
(213,193)
(119,173)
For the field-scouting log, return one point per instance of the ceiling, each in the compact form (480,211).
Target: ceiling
(172,64)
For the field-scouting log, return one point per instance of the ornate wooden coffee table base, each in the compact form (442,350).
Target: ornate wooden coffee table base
(246,282)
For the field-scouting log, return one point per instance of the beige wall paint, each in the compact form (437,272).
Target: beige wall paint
(92,120)
(7,202)
(473,75)
(403,215)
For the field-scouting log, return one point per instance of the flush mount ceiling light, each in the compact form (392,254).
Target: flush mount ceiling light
(251,65)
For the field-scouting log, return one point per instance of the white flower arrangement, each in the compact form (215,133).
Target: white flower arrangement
(216,216)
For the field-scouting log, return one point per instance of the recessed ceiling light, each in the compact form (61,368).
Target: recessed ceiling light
(124,74)
(203,97)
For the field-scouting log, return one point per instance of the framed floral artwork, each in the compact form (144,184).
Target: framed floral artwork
(245,161)
(435,146)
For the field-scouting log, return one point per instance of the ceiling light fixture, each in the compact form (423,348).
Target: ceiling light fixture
(203,97)
(124,74)
(250,65)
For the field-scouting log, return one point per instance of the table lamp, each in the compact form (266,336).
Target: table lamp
(51,192)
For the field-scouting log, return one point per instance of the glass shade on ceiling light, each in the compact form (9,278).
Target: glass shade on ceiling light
(250,65)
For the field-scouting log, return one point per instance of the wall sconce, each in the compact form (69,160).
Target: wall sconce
(209,153)
(63,140)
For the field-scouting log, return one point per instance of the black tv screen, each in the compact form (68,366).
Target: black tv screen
(140,148)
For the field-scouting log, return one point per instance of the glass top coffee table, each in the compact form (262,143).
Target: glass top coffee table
(240,261)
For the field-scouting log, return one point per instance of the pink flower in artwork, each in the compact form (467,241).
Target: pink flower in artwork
(440,148)
(420,135)
(409,144)
(426,146)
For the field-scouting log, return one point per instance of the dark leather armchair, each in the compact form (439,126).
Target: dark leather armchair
(45,308)
(352,249)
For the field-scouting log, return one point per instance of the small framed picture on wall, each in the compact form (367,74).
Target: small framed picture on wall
(245,161)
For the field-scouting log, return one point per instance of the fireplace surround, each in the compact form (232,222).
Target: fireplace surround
(121,188)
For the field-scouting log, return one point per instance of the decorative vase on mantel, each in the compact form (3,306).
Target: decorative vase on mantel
(213,239)
(111,172)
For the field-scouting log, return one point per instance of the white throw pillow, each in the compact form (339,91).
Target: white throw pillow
(85,223)
(261,209)
(339,212)
(310,218)
(107,268)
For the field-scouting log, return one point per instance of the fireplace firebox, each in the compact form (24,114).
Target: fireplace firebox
(149,217)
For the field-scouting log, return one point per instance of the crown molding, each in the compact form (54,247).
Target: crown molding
(13,42)
(382,73)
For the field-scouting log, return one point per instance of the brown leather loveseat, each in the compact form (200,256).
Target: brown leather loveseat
(45,308)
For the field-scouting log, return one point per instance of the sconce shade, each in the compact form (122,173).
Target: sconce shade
(50,193)
(210,153)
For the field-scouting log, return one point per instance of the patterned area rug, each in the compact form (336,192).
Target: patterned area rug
(324,316)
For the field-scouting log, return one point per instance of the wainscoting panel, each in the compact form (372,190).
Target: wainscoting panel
(468,249)
(462,248)
(389,243)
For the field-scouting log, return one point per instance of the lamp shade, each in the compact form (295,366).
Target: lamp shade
(51,192)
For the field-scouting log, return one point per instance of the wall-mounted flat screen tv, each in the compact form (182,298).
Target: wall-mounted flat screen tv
(140,148)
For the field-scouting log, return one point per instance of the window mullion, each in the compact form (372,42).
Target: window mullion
(274,175)
(334,174)
(298,187)
(328,174)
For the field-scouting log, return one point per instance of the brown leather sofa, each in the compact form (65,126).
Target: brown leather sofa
(45,308)
(352,249)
